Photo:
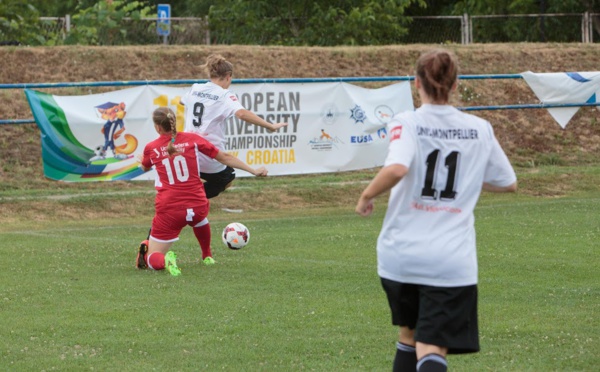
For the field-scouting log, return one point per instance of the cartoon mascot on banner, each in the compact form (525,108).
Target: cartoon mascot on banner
(114,126)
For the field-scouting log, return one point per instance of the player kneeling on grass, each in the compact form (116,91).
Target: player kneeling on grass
(180,199)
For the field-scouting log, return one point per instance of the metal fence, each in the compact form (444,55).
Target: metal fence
(573,27)
(289,81)
(184,30)
(465,29)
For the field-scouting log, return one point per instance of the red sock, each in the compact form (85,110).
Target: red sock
(156,260)
(203,235)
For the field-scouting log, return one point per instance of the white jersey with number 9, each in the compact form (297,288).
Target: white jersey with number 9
(207,107)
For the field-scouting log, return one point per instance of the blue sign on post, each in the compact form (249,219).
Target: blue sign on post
(163,22)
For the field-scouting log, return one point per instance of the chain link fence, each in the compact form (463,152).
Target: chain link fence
(183,31)
(52,27)
(559,28)
(567,28)
(434,30)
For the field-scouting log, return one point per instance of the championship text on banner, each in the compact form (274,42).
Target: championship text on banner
(332,127)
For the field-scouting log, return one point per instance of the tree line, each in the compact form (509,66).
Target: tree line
(275,22)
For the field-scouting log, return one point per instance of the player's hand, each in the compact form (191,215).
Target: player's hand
(140,158)
(260,172)
(277,126)
(364,207)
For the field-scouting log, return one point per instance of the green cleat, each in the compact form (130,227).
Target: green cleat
(171,264)
(209,261)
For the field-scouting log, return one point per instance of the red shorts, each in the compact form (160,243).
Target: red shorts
(168,223)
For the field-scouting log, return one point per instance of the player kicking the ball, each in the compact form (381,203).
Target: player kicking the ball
(438,160)
(207,107)
(180,198)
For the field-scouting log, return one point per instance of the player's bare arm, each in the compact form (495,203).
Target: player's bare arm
(491,188)
(234,162)
(387,178)
(139,159)
(250,117)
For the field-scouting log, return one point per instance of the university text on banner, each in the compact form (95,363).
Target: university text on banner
(332,127)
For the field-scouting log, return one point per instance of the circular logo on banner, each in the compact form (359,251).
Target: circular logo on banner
(358,114)
(384,114)
(329,114)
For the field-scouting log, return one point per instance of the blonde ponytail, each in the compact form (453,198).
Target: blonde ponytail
(165,118)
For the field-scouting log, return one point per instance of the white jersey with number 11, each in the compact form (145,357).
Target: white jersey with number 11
(428,234)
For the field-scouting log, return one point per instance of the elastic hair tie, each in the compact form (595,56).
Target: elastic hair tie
(173,140)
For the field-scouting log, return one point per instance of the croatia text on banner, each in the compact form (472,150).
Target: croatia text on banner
(564,88)
(332,127)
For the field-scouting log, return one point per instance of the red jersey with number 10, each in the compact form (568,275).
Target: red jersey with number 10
(178,180)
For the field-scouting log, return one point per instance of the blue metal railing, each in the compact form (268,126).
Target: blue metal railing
(283,81)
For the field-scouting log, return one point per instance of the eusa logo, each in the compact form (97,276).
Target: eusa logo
(368,138)
(361,139)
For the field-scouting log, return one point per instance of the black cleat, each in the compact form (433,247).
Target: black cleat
(140,261)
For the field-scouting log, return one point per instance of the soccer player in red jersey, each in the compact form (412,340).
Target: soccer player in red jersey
(180,199)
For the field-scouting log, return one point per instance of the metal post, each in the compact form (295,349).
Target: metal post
(465,23)
(584,28)
(470,29)
(67,26)
(207,30)
(462,30)
(592,26)
(590,29)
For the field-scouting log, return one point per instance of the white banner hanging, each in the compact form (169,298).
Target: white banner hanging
(333,127)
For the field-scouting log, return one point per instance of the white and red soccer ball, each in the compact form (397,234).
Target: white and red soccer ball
(235,235)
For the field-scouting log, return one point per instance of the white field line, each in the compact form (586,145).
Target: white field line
(77,195)
(149,191)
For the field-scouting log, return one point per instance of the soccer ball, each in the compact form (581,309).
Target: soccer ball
(235,235)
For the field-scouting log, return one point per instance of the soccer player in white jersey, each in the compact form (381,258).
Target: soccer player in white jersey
(207,107)
(439,159)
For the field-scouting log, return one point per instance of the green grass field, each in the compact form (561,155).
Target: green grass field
(303,295)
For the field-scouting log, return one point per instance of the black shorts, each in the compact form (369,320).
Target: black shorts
(441,316)
(216,183)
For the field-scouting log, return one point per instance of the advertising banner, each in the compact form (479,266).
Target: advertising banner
(332,127)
